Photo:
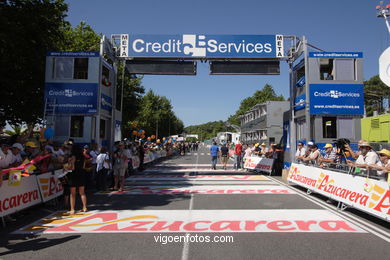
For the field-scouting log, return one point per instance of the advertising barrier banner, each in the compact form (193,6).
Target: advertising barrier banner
(368,195)
(49,185)
(258,163)
(14,198)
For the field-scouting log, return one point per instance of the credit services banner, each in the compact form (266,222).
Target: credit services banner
(368,195)
(336,99)
(73,98)
(202,45)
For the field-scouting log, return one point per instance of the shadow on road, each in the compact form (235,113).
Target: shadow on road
(34,244)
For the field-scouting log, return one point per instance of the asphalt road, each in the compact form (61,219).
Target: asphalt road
(182,196)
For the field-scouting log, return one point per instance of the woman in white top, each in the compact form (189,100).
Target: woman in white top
(102,168)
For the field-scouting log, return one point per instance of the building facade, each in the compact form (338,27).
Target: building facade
(264,122)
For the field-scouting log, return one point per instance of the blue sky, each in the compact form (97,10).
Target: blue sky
(332,25)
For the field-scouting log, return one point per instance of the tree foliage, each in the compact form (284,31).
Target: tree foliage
(260,96)
(80,38)
(29,29)
(374,93)
(156,111)
(208,130)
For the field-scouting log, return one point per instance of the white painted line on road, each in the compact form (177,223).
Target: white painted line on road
(202,154)
(365,225)
(201,189)
(198,177)
(186,245)
(167,171)
(198,221)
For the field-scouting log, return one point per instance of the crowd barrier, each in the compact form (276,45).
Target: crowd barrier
(259,164)
(368,195)
(18,193)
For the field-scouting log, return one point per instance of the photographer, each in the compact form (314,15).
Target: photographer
(351,152)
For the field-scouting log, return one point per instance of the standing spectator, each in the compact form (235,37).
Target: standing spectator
(76,178)
(314,155)
(224,155)
(32,150)
(5,159)
(383,165)
(247,152)
(94,152)
(237,156)
(87,167)
(103,166)
(141,154)
(264,150)
(129,155)
(367,156)
(214,151)
(16,149)
(300,154)
(119,167)
(329,157)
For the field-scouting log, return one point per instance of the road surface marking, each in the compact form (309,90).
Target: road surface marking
(201,189)
(199,177)
(199,221)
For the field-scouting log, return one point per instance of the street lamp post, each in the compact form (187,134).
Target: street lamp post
(384,11)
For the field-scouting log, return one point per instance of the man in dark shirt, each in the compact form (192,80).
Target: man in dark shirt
(224,155)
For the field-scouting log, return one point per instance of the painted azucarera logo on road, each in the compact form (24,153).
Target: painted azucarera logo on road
(193,45)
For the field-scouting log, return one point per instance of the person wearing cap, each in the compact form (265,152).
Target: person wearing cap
(351,152)
(263,150)
(383,165)
(300,153)
(32,150)
(367,156)
(16,149)
(257,149)
(329,157)
(314,155)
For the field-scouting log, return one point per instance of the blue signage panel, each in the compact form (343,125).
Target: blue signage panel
(73,53)
(106,103)
(300,102)
(336,99)
(73,98)
(335,55)
(196,45)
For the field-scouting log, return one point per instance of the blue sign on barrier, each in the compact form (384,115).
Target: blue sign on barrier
(194,45)
(73,98)
(336,99)
(300,102)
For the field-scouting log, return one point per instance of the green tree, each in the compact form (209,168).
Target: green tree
(156,112)
(260,96)
(80,38)
(374,93)
(29,28)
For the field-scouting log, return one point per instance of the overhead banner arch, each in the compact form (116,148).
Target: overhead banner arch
(202,46)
